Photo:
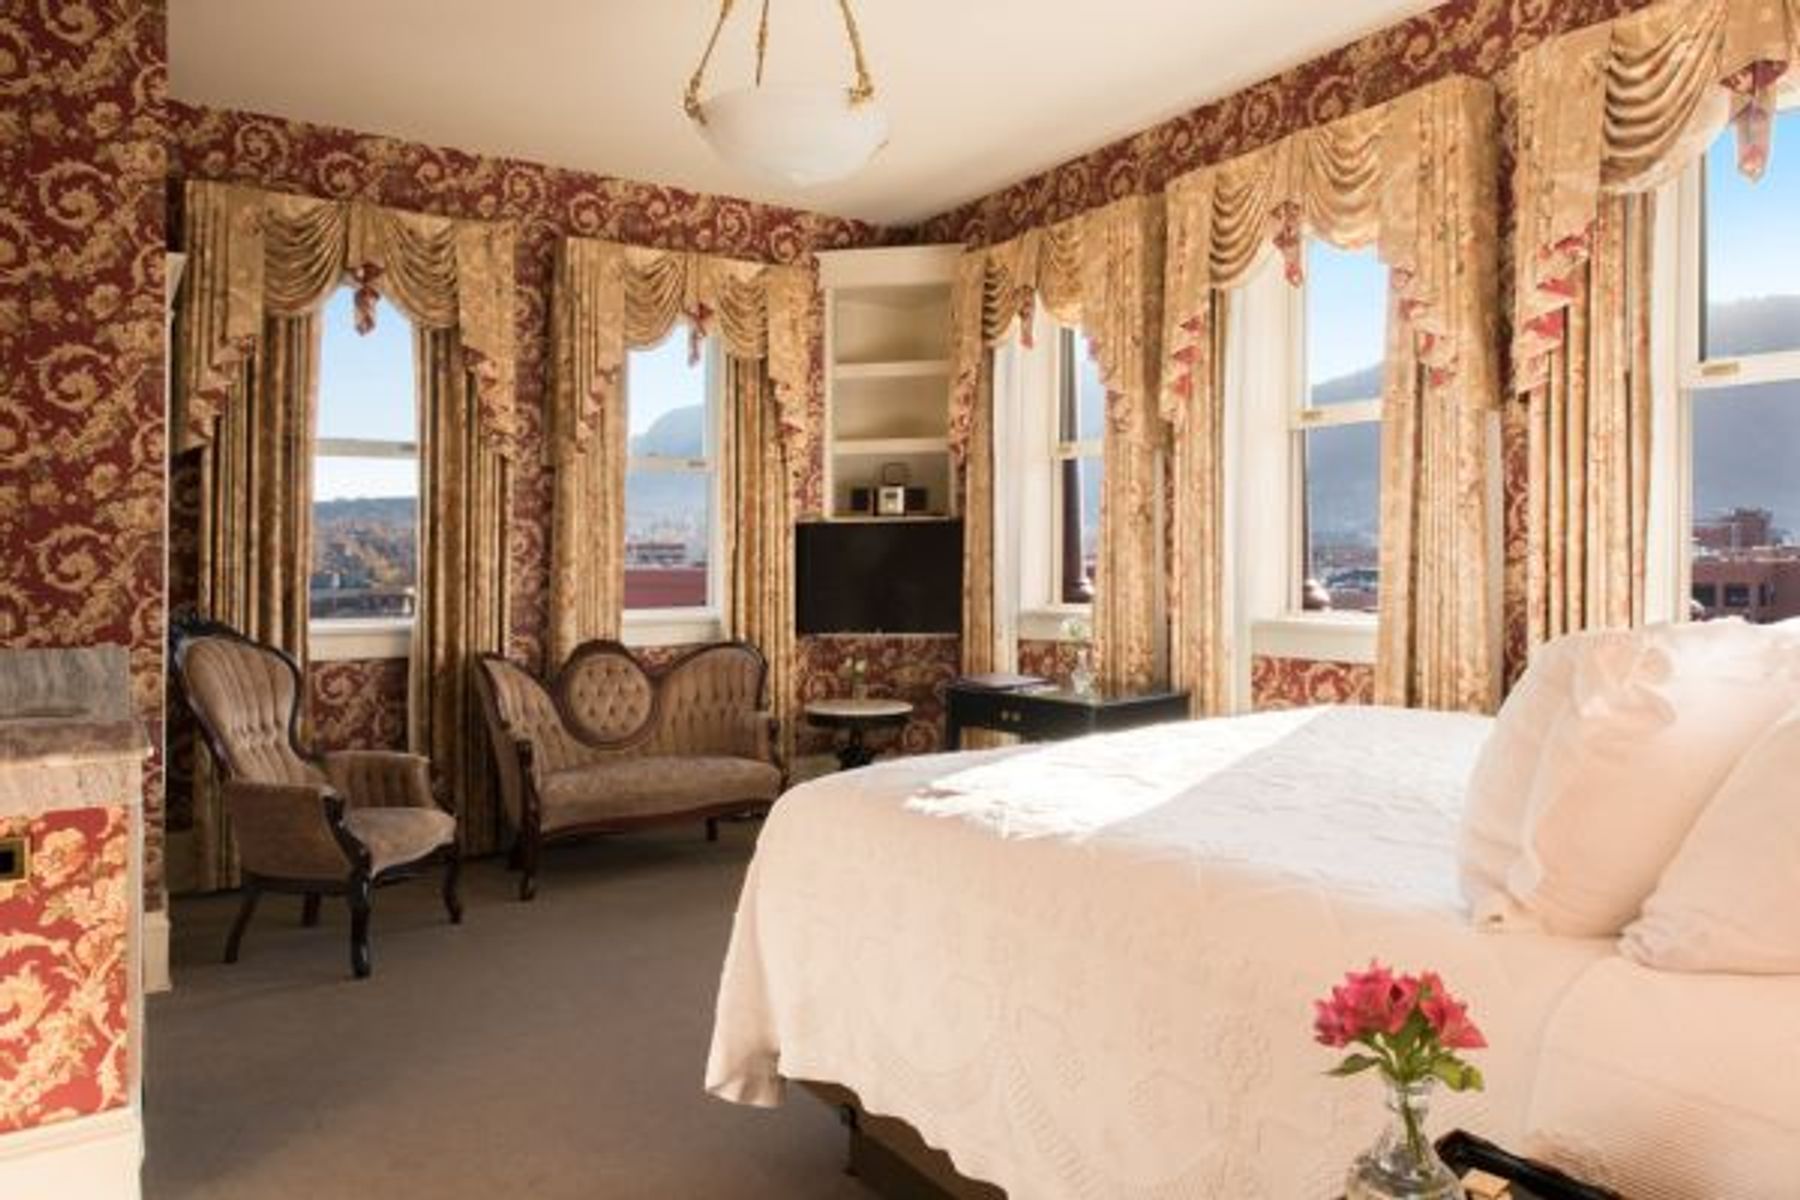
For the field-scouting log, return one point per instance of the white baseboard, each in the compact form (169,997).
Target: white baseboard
(156,950)
(89,1158)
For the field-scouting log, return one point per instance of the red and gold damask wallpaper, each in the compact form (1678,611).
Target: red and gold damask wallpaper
(1299,682)
(81,337)
(64,988)
(82,435)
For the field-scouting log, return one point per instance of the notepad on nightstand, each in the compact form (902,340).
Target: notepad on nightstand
(1001,681)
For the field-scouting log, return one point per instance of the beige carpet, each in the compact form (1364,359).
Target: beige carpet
(552,1049)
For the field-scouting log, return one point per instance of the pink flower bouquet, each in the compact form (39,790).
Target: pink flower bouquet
(1409,1027)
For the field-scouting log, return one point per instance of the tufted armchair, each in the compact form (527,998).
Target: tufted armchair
(612,745)
(342,823)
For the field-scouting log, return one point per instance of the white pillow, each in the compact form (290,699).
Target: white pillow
(1493,825)
(1730,899)
(1659,719)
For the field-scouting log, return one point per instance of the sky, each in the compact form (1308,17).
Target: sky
(1752,248)
(660,379)
(365,391)
(1346,311)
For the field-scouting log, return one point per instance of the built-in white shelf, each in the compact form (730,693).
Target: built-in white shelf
(866,519)
(863,447)
(905,368)
(887,376)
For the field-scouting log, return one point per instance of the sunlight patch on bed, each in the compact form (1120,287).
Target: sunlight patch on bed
(1077,788)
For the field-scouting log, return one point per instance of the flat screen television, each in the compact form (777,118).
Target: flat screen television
(878,576)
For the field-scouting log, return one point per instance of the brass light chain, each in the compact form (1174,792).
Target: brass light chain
(691,100)
(762,42)
(860,92)
(864,88)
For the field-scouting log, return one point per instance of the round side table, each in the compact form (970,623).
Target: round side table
(856,718)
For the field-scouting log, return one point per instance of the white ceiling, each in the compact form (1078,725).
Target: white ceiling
(981,93)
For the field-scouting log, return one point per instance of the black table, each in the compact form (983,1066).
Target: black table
(1046,714)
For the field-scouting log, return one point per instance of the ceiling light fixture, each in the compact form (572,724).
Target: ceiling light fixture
(797,134)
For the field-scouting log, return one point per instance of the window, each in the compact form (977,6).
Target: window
(365,543)
(671,481)
(1740,383)
(1078,467)
(1336,429)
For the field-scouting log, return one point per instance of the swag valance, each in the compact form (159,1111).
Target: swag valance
(1615,109)
(612,298)
(254,254)
(1099,270)
(1410,176)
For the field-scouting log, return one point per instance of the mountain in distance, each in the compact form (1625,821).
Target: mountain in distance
(367,541)
(391,510)
(659,502)
(678,433)
(1747,437)
(1344,465)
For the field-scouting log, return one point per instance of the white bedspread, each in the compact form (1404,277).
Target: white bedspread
(1085,969)
(1667,1086)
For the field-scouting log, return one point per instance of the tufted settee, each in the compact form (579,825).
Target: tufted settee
(611,744)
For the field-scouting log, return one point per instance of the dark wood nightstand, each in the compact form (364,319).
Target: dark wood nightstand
(1044,714)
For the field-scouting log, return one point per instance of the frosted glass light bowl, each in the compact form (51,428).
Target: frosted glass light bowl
(799,136)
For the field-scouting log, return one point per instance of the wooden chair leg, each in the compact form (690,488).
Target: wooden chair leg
(361,895)
(252,893)
(309,910)
(452,873)
(528,863)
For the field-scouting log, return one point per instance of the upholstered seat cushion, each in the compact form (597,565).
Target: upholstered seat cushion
(396,836)
(653,785)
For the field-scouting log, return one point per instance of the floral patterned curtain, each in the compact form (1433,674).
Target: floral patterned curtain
(759,541)
(608,299)
(1101,271)
(1605,115)
(1415,178)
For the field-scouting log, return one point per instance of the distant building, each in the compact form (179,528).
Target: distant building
(1739,529)
(658,554)
(1761,585)
(335,594)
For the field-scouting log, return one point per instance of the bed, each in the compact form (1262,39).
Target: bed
(1085,969)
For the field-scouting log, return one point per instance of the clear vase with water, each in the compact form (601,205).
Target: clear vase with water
(1081,674)
(1403,1164)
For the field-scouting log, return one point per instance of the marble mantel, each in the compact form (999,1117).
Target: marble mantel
(71,909)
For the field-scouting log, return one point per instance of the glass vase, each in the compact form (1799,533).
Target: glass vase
(1081,674)
(1403,1164)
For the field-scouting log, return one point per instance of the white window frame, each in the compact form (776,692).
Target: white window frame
(1680,370)
(695,623)
(1067,343)
(1267,419)
(1028,383)
(343,639)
